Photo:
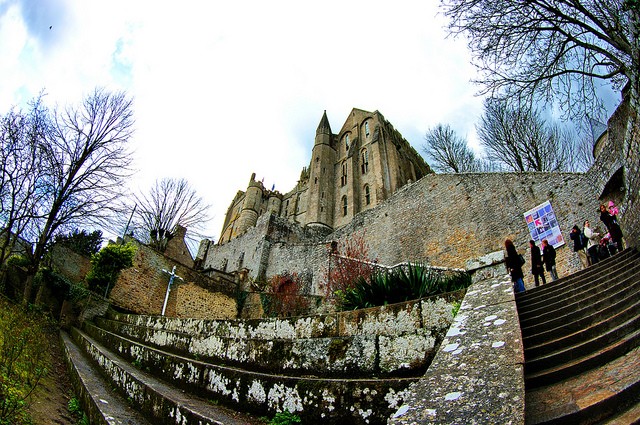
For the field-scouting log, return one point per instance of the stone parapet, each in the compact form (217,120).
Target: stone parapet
(395,339)
(477,375)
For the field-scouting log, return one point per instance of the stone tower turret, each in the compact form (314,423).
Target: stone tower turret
(250,206)
(274,203)
(322,177)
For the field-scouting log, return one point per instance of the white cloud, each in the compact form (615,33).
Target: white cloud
(224,89)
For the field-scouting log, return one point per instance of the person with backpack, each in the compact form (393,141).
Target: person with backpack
(579,245)
(549,258)
(514,263)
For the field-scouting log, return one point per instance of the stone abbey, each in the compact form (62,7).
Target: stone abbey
(351,171)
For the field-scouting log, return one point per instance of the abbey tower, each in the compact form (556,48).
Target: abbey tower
(349,172)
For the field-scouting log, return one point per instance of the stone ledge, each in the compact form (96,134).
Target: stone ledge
(477,375)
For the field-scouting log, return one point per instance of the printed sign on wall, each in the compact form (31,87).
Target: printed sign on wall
(542,224)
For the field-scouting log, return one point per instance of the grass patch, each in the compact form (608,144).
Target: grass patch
(24,360)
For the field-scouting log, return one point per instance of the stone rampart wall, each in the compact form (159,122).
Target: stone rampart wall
(142,289)
(71,265)
(446,219)
(630,220)
(442,219)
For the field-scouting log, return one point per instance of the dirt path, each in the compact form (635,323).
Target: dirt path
(49,402)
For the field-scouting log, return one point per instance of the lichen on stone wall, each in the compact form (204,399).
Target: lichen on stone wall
(217,383)
(256,392)
(405,352)
(436,313)
(210,346)
(395,399)
(282,397)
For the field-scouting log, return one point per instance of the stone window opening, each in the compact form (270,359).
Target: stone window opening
(367,195)
(343,178)
(364,161)
(366,129)
(344,206)
(346,142)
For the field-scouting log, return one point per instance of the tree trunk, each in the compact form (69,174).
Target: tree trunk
(28,286)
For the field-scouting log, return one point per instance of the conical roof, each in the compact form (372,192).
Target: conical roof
(324,127)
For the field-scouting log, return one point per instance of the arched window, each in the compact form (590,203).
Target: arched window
(346,142)
(343,178)
(367,195)
(344,206)
(366,129)
(364,161)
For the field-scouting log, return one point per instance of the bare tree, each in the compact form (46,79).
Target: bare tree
(169,203)
(553,50)
(448,152)
(21,170)
(521,140)
(85,161)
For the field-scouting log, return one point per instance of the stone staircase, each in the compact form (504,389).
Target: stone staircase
(349,367)
(581,338)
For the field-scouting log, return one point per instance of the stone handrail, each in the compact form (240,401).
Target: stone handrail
(477,374)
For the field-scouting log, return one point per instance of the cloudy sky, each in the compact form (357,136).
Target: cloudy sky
(225,89)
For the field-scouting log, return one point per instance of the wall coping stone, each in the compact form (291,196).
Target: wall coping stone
(477,375)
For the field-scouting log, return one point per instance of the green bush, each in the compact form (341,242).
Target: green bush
(81,242)
(17,260)
(106,264)
(75,409)
(412,282)
(285,418)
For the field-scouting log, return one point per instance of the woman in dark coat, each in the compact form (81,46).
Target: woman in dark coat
(514,266)
(537,267)
(611,222)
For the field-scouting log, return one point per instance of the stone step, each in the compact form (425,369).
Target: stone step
(576,294)
(353,356)
(99,402)
(626,417)
(620,293)
(602,395)
(568,352)
(580,320)
(542,293)
(356,401)
(582,330)
(156,400)
(592,360)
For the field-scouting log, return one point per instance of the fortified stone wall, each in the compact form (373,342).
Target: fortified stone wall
(260,248)
(71,265)
(631,219)
(447,219)
(142,289)
(441,220)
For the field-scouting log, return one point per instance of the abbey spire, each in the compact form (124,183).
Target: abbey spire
(323,128)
